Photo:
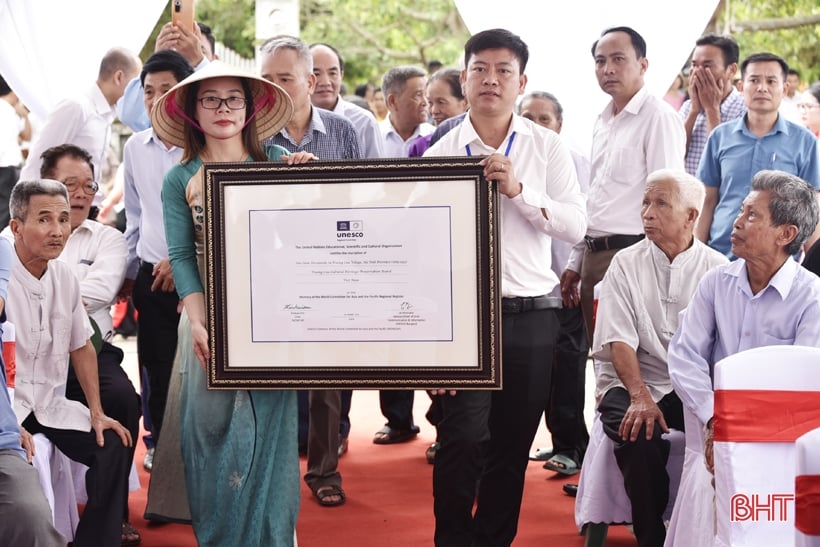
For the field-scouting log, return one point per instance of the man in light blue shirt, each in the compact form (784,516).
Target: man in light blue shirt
(762,139)
(148,277)
(197,46)
(764,298)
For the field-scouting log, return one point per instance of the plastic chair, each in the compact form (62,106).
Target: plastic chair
(765,398)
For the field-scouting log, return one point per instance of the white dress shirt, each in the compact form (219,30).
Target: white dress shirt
(371,142)
(394,145)
(84,121)
(10,126)
(50,322)
(543,164)
(96,254)
(645,136)
(145,160)
(641,297)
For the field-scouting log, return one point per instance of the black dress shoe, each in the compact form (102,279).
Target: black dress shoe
(570,489)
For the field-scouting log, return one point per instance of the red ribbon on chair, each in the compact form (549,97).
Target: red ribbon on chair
(807,504)
(763,416)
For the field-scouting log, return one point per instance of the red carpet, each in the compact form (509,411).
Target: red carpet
(389,497)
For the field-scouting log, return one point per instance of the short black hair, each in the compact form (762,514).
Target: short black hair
(727,44)
(334,50)
(793,72)
(764,57)
(637,40)
(209,35)
(5,89)
(497,38)
(169,60)
(53,155)
(361,89)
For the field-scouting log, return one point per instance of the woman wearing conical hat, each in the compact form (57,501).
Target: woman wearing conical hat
(238,447)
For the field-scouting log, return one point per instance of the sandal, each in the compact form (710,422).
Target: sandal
(130,535)
(562,464)
(327,491)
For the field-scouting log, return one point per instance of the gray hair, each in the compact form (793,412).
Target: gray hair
(546,96)
(24,190)
(691,190)
(793,202)
(284,41)
(395,79)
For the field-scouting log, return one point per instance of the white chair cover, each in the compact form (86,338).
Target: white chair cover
(693,517)
(54,470)
(763,402)
(601,496)
(807,490)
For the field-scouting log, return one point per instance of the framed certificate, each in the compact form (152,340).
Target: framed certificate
(346,274)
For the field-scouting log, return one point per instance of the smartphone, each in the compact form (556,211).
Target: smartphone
(182,13)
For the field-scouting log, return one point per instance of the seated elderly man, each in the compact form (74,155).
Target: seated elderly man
(645,288)
(764,298)
(25,518)
(97,255)
(45,303)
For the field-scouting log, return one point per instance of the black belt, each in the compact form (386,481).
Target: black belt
(519,304)
(147,267)
(608,243)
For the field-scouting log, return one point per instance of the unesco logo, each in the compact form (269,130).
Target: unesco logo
(349,228)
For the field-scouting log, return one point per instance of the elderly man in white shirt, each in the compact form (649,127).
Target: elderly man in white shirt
(636,134)
(644,290)
(45,296)
(85,121)
(96,254)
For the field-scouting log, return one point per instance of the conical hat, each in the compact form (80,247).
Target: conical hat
(273,105)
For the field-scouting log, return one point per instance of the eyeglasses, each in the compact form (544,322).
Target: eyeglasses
(807,106)
(90,188)
(213,103)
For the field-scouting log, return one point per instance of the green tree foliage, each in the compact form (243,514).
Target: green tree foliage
(232,23)
(375,35)
(788,28)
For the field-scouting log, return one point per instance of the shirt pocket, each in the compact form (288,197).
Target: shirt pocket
(61,336)
(626,165)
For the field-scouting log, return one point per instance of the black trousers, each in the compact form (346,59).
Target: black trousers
(565,410)
(487,435)
(106,480)
(397,407)
(118,397)
(643,463)
(157,323)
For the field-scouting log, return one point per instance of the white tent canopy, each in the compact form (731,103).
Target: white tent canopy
(51,49)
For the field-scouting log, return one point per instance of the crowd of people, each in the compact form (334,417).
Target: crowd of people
(686,225)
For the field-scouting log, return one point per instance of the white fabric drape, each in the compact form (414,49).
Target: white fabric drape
(51,49)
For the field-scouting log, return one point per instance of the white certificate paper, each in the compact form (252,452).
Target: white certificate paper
(377,274)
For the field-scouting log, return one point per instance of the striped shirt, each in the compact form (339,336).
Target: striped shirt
(733,106)
(329,137)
